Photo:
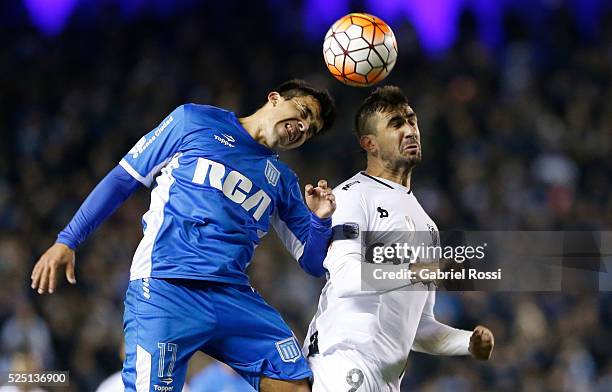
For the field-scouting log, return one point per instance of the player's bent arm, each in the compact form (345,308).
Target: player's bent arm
(315,248)
(306,241)
(436,338)
(305,234)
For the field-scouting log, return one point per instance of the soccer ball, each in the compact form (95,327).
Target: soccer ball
(360,49)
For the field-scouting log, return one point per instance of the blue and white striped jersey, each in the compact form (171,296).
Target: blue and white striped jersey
(214,200)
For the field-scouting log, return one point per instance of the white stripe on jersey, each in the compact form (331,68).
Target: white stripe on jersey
(148,180)
(128,168)
(292,243)
(143,369)
(154,218)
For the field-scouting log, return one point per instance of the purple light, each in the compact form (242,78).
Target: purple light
(389,10)
(435,22)
(50,16)
(490,20)
(586,12)
(320,14)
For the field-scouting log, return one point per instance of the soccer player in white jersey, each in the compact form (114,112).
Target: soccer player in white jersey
(359,341)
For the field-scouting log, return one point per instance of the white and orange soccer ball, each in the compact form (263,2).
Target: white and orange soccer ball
(360,49)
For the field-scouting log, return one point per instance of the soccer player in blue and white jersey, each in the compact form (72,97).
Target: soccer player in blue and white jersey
(219,186)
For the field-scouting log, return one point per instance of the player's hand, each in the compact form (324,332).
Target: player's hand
(56,258)
(481,343)
(320,200)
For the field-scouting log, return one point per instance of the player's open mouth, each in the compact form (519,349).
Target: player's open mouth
(413,147)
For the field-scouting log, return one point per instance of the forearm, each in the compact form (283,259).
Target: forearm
(106,197)
(315,248)
(436,338)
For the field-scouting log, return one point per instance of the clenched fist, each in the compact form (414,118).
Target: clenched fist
(481,343)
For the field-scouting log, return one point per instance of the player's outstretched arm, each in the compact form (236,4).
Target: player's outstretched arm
(108,195)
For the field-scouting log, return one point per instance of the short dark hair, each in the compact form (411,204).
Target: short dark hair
(382,99)
(300,88)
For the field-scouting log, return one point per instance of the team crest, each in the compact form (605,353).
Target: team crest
(272,173)
(289,350)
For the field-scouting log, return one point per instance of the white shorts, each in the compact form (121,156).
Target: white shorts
(346,371)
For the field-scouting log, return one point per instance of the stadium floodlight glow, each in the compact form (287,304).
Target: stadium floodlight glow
(50,16)
(435,21)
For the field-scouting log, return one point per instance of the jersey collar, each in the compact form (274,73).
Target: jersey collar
(387,183)
(258,146)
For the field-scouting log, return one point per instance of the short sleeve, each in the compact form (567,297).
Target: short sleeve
(156,148)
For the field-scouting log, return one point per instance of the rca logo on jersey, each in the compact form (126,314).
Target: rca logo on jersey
(226,140)
(142,144)
(272,173)
(235,186)
(289,350)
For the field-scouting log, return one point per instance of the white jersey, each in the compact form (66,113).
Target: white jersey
(375,330)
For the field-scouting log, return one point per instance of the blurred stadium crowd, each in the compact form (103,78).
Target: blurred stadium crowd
(518,138)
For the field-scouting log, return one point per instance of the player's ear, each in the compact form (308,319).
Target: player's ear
(274,98)
(368,143)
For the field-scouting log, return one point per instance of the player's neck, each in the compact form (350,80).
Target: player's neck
(252,125)
(398,175)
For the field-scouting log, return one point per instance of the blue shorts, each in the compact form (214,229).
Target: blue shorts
(167,320)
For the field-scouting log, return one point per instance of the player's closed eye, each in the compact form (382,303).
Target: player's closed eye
(412,119)
(305,113)
(397,122)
